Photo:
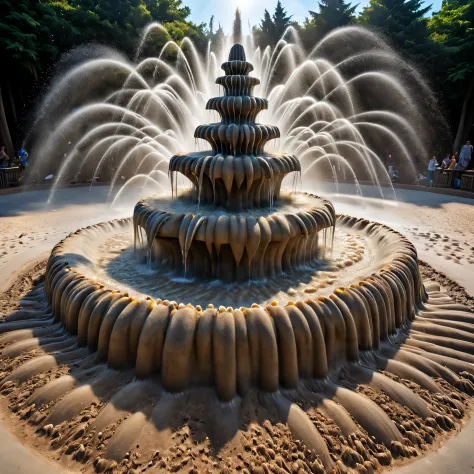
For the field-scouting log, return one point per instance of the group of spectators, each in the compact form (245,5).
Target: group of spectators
(20,159)
(454,162)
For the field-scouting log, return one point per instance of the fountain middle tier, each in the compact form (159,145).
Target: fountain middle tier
(235,182)
(209,242)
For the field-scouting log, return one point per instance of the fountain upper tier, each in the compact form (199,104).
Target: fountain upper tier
(237,173)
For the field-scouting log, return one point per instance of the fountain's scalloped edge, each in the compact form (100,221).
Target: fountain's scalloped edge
(236,181)
(259,245)
(236,349)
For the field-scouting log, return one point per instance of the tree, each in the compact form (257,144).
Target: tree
(178,30)
(17,44)
(211,26)
(218,39)
(166,11)
(332,14)
(271,28)
(453,28)
(28,34)
(266,34)
(405,25)
(280,20)
(237,28)
(5,135)
(33,35)
(115,23)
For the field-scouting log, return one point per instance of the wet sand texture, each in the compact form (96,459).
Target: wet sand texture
(407,353)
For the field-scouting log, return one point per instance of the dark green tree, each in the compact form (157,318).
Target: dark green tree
(113,22)
(30,39)
(404,24)
(332,14)
(453,28)
(237,27)
(266,33)
(281,21)
(34,33)
(166,11)
(271,28)
(267,25)
(211,25)
(218,39)
(17,44)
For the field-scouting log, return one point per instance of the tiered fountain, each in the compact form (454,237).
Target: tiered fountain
(306,359)
(234,229)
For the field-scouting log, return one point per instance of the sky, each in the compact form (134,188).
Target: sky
(252,10)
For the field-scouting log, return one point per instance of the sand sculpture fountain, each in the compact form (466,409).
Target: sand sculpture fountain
(239,176)
(371,368)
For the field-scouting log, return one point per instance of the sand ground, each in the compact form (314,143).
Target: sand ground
(440,226)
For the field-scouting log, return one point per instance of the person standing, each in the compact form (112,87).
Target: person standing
(390,164)
(3,157)
(432,165)
(452,163)
(23,157)
(446,161)
(465,155)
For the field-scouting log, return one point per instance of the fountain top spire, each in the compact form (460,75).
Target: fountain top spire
(237,53)
(237,63)
(237,172)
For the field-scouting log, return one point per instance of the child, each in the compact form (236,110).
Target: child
(23,157)
(432,165)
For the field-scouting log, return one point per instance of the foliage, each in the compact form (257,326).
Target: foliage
(266,34)
(217,39)
(405,24)
(453,27)
(167,11)
(271,28)
(281,20)
(211,26)
(332,14)
(237,27)
(34,33)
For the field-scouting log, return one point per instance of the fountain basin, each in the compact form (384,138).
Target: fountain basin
(367,356)
(212,243)
(268,345)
